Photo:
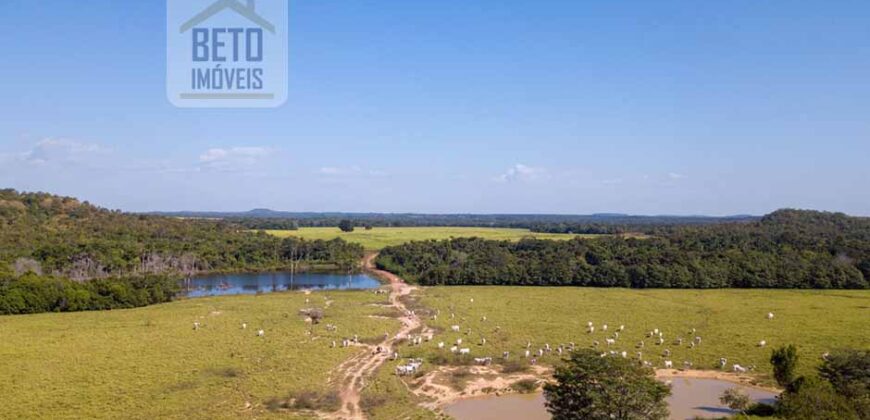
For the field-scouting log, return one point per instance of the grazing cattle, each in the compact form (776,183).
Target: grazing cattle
(244,326)
(464,351)
(692,345)
(528,344)
(483,318)
(624,354)
(527,354)
(454,328)
(261,333)
(440,345)
(610,341)
(639,355)
(196,325)
(595,343)
(547,347)
(655,331)
(454,349)
(472,300)
(533,361)
(762,343)
(647,364)
(722,362)
(334,345)
(559,350)
(485,361)
(482,341)
(604,327)
(697,340)
(687,365)
(589,324)
(540,352)
(666,353)
(739,369)
(458,341)
(505,355)
(591,330)
(770,315)
(678,342)
(640,345)
(669,364)
(826,355)
(621,328)
(660,341)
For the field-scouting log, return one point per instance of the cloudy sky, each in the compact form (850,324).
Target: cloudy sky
(645,107)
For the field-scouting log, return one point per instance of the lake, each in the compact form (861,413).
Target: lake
(690,398)
(252,283)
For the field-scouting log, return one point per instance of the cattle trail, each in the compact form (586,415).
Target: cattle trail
(352,374)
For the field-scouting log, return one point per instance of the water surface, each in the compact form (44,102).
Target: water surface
(251,283)
(690,398)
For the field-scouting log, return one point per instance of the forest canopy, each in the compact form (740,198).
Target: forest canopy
(786,249)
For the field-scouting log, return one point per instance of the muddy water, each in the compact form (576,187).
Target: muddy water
(690,398)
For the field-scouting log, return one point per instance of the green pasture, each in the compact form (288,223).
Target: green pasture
(150,363)
(381,237)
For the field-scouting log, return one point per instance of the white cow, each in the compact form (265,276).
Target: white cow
(454,328)
(770,315)
(669,364)
(454,349)
(722,362)
(464,351)
(604,327)
(196,325)
(440,345)
(762,343)
(610,341)
(527,354)
(261,333)
(244,326)
(739,369)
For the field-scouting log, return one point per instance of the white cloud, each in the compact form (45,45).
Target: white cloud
(60,150)
(674,175)
(520,172)
(232,159)
(336,171)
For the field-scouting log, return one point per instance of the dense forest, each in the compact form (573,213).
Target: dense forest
(786,249)
(548,223)
(57,253)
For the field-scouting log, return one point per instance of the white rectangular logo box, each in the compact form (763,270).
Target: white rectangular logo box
(226,53)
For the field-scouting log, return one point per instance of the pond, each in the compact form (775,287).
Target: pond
(252,283)
(690,398)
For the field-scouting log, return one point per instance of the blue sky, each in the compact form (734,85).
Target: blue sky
(645,107)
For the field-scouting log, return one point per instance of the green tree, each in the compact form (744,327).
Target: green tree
(815,399)
(848,371)
(736,399)
(592,387)
(345,225)
(784,361)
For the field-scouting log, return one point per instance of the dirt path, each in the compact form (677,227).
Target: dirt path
(353,373)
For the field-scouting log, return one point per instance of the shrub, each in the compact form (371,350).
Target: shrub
(525,386)
(784,361)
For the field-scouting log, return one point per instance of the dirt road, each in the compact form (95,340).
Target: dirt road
(355,371)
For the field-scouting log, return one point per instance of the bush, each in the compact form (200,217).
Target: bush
(525,386)
(784,361)
(815,399)
(514,366)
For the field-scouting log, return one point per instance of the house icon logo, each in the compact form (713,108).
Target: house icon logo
(226,53)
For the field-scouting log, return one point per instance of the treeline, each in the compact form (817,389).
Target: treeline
(787,249)
(62,237)
(579,224)
(32,293)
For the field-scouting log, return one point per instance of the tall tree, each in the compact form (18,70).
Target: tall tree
(592,387)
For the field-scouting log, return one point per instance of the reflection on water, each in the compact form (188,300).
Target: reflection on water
(251,283)
(690,398)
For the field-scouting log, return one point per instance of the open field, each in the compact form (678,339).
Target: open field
(381,237)
(150,362)
(730,323)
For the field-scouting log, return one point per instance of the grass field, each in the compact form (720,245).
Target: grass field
(731,323)
(149,363)
(379,237)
